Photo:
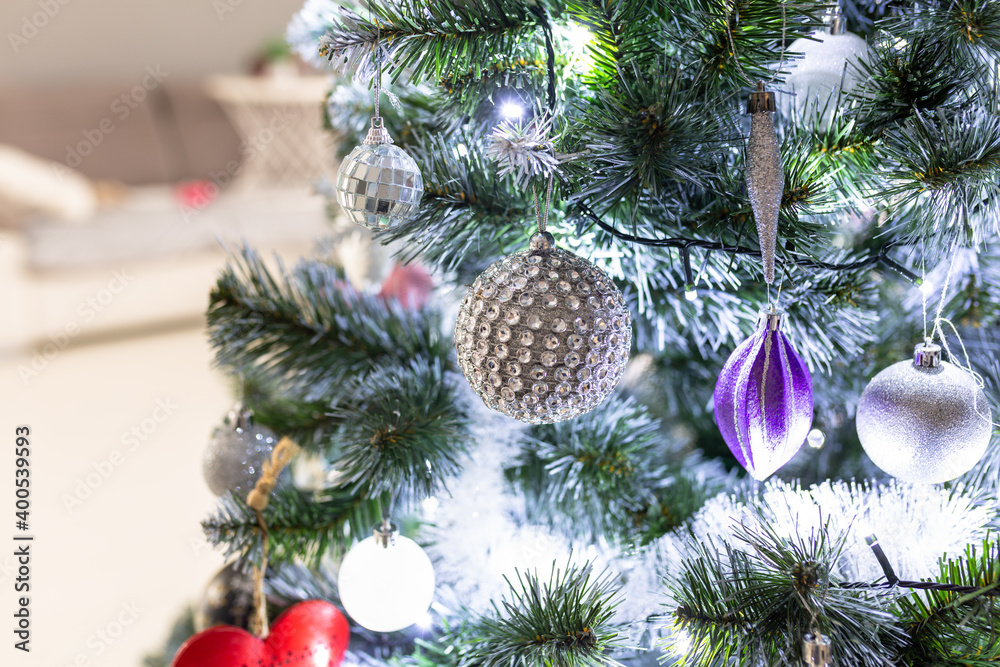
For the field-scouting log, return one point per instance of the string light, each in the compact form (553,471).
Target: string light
(816,438)
(511,110)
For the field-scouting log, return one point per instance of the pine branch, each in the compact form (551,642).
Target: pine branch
(565,622)
(646,137)
(425,40)
(627,36)
(403,431)
(727,38)
(308,423)
(300,525)
(968,28)
(306,332)
(590,475)
(948,628)
(946,175)
(904,77)
(469,215)
(755,607)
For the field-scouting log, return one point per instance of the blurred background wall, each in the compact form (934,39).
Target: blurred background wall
(109,41)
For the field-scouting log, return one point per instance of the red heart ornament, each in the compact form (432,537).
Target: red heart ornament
(309,634)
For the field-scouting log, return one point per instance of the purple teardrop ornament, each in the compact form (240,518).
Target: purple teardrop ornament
(763,399)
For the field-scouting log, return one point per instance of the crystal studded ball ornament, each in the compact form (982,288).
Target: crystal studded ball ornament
(764,399)
(765,177)
(543,335)
(234,456)
(386,582)
(378,185)
(924,421)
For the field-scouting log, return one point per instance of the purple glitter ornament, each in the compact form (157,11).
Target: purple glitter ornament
(763,399)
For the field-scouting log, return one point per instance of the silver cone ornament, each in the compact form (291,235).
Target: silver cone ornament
(765,177)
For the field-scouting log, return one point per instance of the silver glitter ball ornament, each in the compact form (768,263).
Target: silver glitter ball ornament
(543,335)
(378,185)
(924,421)
(234,456)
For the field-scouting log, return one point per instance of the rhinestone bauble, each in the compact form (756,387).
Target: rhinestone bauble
(543,335)
(379,186)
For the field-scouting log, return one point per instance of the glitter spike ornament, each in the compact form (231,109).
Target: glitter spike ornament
(763,399)
(765,178)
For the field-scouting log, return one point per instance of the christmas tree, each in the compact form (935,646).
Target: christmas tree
(821,251)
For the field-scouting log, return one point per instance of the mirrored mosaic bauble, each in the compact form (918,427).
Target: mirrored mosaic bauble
(924,423)
(379,186)
(543,335)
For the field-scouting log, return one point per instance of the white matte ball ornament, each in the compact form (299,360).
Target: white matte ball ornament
(386,588)
(543,335)
(816,78)
(924,421)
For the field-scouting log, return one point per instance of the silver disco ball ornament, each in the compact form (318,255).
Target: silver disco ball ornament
(378,184)
(235,455)
(926,420)
(543,335)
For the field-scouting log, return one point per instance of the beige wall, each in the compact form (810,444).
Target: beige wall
(101,41)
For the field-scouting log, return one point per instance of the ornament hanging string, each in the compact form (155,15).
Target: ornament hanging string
(539,217)
(937,331)
(736,56)
(258,499)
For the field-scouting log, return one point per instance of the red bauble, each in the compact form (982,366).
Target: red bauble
(309,634)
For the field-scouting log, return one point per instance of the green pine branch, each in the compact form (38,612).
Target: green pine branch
(565,622)
(733,43)
(300,525)
(306,331)
(945,175)
(469,216)
(429,40)
(753,606)
(947,628)
(403,431)
(591,475)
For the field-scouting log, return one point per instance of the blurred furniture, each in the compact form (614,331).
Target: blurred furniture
(62,284)
(280,121)
(175,133)
(147,264)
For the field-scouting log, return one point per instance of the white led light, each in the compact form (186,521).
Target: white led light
(511,110)
(389,588)
(816,438)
